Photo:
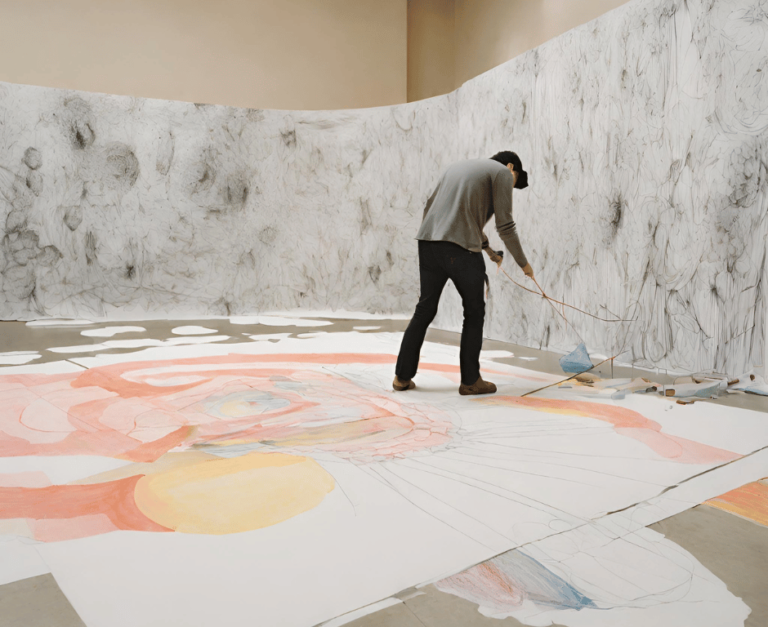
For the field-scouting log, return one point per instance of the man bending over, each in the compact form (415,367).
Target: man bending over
(451,241)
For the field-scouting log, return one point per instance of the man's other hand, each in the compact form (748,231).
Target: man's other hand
(528,271)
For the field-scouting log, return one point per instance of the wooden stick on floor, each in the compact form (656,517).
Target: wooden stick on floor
(569,378)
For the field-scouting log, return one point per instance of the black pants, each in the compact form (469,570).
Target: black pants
(438,262)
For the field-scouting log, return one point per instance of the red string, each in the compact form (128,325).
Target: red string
(554,300)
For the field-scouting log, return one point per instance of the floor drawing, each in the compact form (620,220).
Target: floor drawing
(244,470)
(140,411)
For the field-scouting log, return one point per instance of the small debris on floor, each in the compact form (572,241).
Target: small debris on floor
(706,389)
(751,384)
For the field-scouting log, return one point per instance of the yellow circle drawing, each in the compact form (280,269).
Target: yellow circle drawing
(233,495)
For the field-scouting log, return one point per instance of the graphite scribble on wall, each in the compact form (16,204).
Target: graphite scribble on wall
(125,207)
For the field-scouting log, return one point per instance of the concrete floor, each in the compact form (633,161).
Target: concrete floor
(735,550)
(36,602)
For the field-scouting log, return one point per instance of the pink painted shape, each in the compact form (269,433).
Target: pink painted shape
(59,529)
(121,414)
(47,422)
(72,504)
(12,405)
(115,410)
(485,585)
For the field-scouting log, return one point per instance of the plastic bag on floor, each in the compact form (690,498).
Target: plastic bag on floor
(577,360)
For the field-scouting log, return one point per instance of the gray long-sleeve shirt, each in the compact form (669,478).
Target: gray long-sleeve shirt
(467,195)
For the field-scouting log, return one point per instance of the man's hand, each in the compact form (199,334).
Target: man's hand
(528,271)
(494,256)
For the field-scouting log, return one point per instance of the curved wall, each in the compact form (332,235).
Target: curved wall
(644,132)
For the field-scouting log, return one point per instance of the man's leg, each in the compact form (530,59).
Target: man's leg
(467,271)
(432,279)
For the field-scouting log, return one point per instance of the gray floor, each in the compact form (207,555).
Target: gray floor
(36,602)
(735,550)
(432,609)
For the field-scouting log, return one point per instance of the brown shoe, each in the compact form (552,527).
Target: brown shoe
(479,387)
(402,386)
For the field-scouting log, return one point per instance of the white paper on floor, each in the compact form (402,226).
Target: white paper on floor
(267,337)
(692,492)
(19,559)
(425,483)
(83,348)
(338,314)
(193,330)
(17,358)
(52,367)
(278,321)
(206,339)
(64,322)
(111,331)
(496,354)
(139,343)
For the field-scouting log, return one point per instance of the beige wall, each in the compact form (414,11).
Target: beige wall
(431,46)
(271,54)
(485,33)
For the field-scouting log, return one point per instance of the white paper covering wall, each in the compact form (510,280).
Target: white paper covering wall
(120,207)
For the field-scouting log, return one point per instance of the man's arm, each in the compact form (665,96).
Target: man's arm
(429,202)
(505,225)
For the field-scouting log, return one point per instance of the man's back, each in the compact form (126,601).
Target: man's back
(461,204)
(468,194)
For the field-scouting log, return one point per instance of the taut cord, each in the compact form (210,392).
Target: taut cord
(554,300)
